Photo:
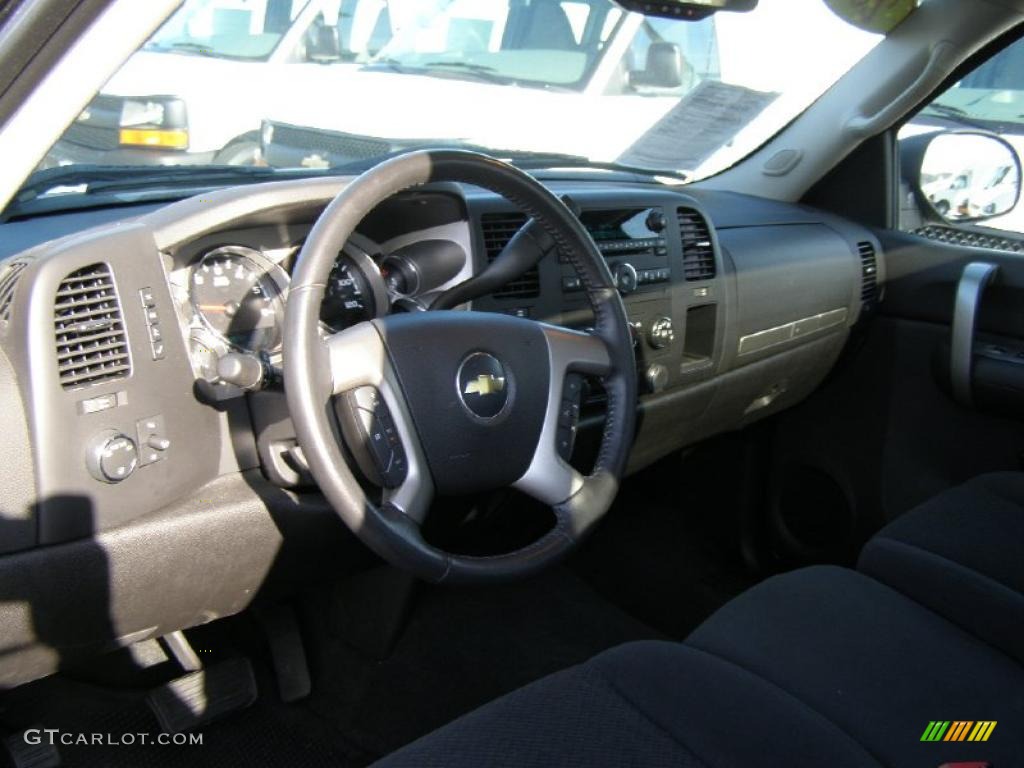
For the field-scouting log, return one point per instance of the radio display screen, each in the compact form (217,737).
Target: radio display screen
(618,224)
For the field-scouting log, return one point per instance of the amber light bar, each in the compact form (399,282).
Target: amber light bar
(159,139)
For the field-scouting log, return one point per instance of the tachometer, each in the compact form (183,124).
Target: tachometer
(239,294)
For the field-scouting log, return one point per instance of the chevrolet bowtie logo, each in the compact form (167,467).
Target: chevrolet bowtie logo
(485,384)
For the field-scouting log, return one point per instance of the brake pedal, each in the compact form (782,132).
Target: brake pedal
(201,697)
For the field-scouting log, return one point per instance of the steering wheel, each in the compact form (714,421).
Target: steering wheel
(465,401)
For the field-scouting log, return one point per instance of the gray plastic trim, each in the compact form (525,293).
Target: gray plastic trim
(755,342)
(358,358)
(976,277)
(549,478)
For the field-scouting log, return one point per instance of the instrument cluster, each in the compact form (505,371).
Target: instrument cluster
(234,296)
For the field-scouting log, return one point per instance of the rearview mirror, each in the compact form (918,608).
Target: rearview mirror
(969,176)
(665,67)
(321,42)
(691,10)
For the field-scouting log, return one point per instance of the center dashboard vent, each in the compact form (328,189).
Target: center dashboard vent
(698,252)
(92,345)
(497,229)
(869,273)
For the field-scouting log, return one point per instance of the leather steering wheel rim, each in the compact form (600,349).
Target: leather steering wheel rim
(316,369)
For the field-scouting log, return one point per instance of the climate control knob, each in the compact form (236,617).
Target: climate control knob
(662,333)
(656,376)
(625,278)
(111,457)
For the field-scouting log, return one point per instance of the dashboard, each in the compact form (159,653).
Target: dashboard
(119,329)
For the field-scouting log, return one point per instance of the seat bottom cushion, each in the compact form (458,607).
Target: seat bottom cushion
(877,665)
(647,705)
(961,554)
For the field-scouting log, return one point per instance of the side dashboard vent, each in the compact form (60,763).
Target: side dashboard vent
(497,230)
(92,345)
(9,276)
(869,273)
(698,252)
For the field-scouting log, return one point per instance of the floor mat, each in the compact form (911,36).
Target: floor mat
(266,734)
(463,647)
(668,551)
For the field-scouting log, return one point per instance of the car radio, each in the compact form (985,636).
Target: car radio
(634,243)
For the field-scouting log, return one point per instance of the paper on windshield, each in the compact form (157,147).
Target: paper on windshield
(704,121)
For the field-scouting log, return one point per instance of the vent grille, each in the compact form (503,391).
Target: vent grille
(8,282)
(497,230)
(92,345)
(869,273)
(698,253)
(970,239)
(339,146)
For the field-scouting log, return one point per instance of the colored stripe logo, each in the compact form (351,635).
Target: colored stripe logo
(958,730)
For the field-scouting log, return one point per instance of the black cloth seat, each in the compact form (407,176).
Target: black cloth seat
(961,554)
(646,704)
(822,666)
(874,663)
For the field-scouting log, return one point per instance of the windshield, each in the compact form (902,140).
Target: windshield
(227,28)
(542,44)
(313,84)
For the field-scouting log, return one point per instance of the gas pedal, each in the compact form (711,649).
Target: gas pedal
(201,697)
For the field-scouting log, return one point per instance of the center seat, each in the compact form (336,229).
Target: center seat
(822,666)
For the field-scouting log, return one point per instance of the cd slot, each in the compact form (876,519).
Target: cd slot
(640,250)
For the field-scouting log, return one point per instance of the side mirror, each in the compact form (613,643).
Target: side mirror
(968,176)
(322,42)
(665,68)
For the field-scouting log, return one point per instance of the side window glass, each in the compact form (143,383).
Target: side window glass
(960,158)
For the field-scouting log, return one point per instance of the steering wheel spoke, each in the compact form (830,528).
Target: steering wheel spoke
(549,478)
(357,358)
(376,422)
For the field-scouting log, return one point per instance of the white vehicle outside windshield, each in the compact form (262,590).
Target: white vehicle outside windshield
(328,83)
(576,77)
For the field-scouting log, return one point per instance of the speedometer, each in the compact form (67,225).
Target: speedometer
(239,295)
(355,291)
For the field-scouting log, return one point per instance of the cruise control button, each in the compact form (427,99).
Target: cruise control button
(564,441)
(568,414)
(573,387)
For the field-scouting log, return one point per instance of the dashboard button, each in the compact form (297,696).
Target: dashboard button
(569,414)
(573,387)
(564,442)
